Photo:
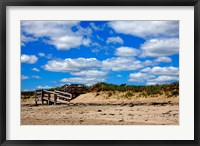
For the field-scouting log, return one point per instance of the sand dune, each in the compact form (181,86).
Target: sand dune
(98,109)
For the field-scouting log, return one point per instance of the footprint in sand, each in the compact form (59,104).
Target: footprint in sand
(81,121)
(122,120)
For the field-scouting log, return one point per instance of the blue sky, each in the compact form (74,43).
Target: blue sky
(54,53)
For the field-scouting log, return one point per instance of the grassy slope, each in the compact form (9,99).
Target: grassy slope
(169,90)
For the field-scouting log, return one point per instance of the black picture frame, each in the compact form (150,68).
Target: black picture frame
(5,3)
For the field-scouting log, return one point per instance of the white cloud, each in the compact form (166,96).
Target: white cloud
(155,75)
(163,80)
(149,63)
(90,73)
(139,77)
(84,31)
(164,70)
(36,77)
(57,33)
(72,65)
(23,77)
(96,28)
(114,40)
(66,42)
(121,64)
(35,69)
(163,59)
(47,28)
(43,87)
(147,69)
(30,59)
(126,51)
(146,29)
(41,54)
(160,47)
(83,80)
(86,42)
(27,39)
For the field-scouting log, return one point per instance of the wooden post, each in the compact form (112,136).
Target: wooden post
(42,96)
(55,99)
(48,99)
(35,97)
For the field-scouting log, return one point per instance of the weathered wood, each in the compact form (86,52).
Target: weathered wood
(48,92)
(65,93)
(35,97)
(55,99)
(58,96)
(38,93)
(42,96)
(65,97)
(49,99)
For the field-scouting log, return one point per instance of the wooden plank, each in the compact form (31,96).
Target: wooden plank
(48,92)
(35,98)
(42,97)
(65,97)
(48,99)
(55,99)
(65,93)
(58,101)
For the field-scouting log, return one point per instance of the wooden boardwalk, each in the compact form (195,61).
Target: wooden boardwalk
(51,97)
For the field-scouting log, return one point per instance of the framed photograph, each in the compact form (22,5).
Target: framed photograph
(99,72)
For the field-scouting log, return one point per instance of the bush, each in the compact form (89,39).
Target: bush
(109,94)
(128,94)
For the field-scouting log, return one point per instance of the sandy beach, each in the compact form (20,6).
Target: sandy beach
(92,109)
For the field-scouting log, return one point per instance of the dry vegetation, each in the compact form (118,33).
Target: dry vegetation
(107,104)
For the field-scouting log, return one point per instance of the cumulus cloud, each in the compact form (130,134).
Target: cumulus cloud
(162,80)
(66,42)
(35,69)
(83,80)
(114,40)
(147,69)
(72,65)
(126,51)
(121,64)
(146,29)
(23,77)
(139,77)
(57,33)
(86,42)
(157,70)
(30,59)
(163,59)
(27,39)
(43,87)
(160,47)
(90,73)
(156,75)
(83,31)
(47,28)
(95,27)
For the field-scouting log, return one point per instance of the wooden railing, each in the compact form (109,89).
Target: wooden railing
(51,97)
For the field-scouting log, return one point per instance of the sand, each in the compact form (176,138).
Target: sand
(93,109)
